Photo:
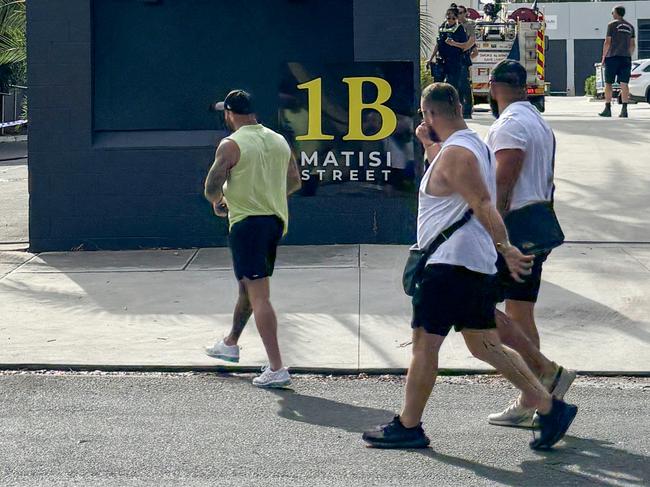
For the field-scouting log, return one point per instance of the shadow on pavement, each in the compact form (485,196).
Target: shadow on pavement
(577,461)
(325,412)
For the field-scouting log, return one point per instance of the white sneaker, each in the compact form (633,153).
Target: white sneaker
(269,378)
(514,415)
(559,383)
(220,350)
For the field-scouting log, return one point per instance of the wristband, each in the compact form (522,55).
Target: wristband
(503,247)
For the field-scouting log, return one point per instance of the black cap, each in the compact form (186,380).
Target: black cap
(509,72)
(237,101)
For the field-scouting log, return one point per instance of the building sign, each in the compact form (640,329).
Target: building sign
(350,125)
(551,22)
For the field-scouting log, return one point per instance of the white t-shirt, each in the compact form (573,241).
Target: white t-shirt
(470,246)
(521,126)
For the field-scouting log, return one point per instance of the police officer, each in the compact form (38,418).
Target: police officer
(470,52)
(446,60)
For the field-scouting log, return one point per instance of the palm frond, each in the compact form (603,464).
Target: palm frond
(12,14)
(13,47)
(427,34)
(13,42)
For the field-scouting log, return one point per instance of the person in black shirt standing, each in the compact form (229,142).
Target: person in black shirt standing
(469,52)
(617,57)
(446,60)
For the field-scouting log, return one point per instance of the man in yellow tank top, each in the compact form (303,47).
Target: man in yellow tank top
(253,173)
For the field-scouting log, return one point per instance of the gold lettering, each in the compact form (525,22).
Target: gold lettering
(315,129)
(357,106)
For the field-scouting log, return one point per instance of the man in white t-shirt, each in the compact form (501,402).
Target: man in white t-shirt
(524,146)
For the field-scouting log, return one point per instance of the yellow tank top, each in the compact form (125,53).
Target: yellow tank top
(257,185)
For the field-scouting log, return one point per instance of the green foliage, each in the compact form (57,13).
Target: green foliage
(590,85)
(13,39)
(13,44)
(425,75)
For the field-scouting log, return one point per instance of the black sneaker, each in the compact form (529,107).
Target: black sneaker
(623,112)
(607,112)
(395,435)
(554,425)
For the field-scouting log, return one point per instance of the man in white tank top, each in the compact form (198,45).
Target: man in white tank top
(524,147)
(457,288)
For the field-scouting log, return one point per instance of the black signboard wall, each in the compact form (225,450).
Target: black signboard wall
(351,129)
(120,133)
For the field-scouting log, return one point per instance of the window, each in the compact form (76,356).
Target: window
(643,37)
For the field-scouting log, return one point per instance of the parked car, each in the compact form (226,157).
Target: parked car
(640,80)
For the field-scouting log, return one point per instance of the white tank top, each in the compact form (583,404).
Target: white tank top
(470,246)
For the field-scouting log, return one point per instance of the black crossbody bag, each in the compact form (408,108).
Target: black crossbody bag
(417,259)
(535,229)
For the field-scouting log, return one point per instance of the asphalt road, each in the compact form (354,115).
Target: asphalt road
(203,429)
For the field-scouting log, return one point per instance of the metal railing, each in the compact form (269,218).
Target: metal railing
(11,108)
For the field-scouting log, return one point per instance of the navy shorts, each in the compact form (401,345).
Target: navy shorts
(528,290)
(618,68)
(253,244)
(453,296)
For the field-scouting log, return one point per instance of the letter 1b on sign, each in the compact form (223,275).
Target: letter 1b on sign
(355,98)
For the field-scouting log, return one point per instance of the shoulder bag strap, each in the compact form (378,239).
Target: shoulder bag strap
(447,233)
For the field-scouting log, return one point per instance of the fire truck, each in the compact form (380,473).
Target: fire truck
(517,35)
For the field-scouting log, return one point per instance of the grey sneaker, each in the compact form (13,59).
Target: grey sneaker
(220,350)
(559,384)
(273,379)
(515,416)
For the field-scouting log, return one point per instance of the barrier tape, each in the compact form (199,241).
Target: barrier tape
(12,124)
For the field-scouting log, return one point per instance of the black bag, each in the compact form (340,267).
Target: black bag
(535,229)
(417,259)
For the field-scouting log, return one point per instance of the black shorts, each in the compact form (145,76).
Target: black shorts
(453,296)
(528,290)
(253,244)
(618,67)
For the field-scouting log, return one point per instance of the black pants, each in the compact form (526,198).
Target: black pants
(449,73)
(465,91)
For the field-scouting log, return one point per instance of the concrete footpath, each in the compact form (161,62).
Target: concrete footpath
(341,308)
(14,197)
